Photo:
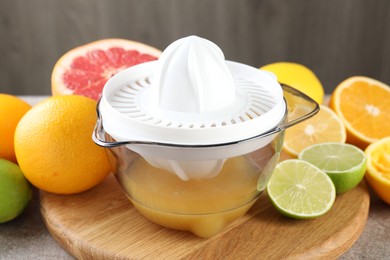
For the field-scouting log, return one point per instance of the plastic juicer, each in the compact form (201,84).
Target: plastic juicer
(194,138)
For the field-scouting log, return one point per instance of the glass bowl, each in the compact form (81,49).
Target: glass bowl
(203,206)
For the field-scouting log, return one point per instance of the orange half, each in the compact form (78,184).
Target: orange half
(378,171)
(323,127)
(363,104)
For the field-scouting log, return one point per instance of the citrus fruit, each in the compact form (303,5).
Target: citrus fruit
(12,110)
(15,191)
(345,164)
(325,126)
(363,105)
(54,147)
(378,168)
(300,190)
(84,70)
(299,77)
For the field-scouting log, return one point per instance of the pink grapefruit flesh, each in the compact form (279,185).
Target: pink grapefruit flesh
(85,70)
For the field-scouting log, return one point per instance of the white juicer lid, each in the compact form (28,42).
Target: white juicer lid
(142,103)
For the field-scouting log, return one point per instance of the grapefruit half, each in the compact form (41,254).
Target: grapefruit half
(84,70)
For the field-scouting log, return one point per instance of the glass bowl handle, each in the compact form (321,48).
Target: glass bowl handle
(99,134)
(299,106)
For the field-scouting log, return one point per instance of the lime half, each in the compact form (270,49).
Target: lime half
(345,164)
(300,190)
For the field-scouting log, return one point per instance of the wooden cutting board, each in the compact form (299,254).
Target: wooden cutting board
(103,224)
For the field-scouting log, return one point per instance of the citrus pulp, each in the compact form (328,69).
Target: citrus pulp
(378,167)
(84,70)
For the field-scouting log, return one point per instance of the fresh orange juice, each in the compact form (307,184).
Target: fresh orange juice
(202,206)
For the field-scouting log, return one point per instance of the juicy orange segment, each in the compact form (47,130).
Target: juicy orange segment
(378,167)
(363,105)
(325,126)
(380,157)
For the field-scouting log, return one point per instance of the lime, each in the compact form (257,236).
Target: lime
(15,191)
(345,164)
(300,190)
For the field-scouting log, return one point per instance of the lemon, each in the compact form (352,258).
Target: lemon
(300,190)
(15,191)
(345,164)
(299,77)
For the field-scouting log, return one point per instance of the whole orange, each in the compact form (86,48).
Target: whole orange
(12,110)
(54,147)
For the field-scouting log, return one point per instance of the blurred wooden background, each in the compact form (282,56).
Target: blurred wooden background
(335,38)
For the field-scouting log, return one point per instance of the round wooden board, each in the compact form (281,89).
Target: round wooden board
(103,224)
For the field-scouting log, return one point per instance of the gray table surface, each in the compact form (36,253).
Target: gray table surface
(26,237)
